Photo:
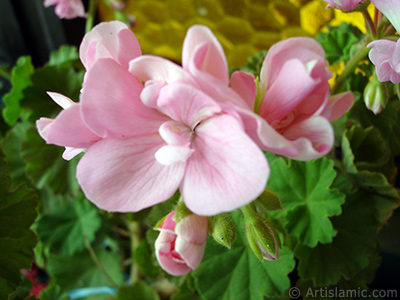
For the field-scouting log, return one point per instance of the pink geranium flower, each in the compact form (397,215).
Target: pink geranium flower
(67,9)
(180,247)
(385,55)
(145,142)
(345,5)
(391,9)
(293,110)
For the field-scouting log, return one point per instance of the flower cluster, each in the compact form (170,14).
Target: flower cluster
(149,126)
(67,9)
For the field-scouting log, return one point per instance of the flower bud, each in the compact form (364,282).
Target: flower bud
(376,95)
(261,236)
(268,200)
(180,246)
(223,230)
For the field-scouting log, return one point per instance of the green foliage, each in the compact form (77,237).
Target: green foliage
(17,213)
(64,57)
(20,80)
(307,199)
(254,63)
(65,229)
(139,290)
(53,171)
(240,273)
(338,42)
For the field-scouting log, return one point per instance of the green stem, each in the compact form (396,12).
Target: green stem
(349,69)
(91,15)
(369,24)
(5,74)
(135,235)
(97,262)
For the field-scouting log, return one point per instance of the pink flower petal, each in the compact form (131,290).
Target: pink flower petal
(217,174)
(212,61)
(70,152)
(191,253)
(123,175)
(338,105)
(282,98)
(391,9)
(109,40)
(244,84)
(149,67)
(312,137)
(67,129)
(186,104)
(193,229)
(111,105)
(61,100)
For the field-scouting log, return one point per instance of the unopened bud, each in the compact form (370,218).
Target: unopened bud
(261,236)
(268,200)
(223,230)
(376,95)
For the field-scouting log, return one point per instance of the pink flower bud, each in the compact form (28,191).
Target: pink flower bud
(180,247)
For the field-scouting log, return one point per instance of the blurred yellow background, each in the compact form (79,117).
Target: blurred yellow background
(244,27)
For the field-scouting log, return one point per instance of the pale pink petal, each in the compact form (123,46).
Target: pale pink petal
(345,5)
(172,267)
(150,93)
(281,98)
(391,9)
(186,104)
(312,137)
(244,84)
(70,9)
(191,253)
(124,176)
(212,60)
(168,224)
(338,105)
(67,129)
(48,3)
(302,48)
(113,108)
(70,152)
(109,40)
(175,133)
(217,174)
(61,100)
(171,154)
(193,229)
(149,67)
(385,55)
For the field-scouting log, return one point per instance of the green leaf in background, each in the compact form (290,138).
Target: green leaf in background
(64,57)
(20,80)
(307,199)
(46,166)
(79,271)
(11,146)
(65,228)
(387,121)
(143,257)
(337,43)
(65,81)
(364,154)
(17,213)
(139,290)
(350,249)
(238,274)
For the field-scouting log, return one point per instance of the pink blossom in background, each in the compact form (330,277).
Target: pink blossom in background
(344,4)
(385,55)
(180,248)
(67,9)
(294,110)
(145,142)
(391,9)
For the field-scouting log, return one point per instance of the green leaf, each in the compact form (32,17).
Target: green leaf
(20,80)
(79,271)
(307,199)
(144,259)
(238,274)
(58,79)
(64,56)
(337,44)
(11,145)
(254,63)
(364,166)
(139,290)
(17,213)
(64,230)
(350,249)
(46,167)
